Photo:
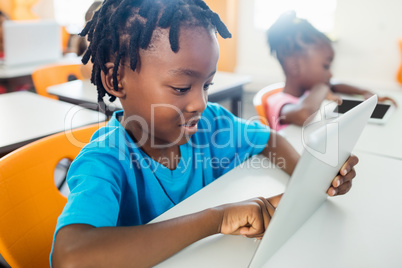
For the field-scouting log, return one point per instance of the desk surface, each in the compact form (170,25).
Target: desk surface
(360,229)
(28,69)
(385,140)
(226,86)
(26,116)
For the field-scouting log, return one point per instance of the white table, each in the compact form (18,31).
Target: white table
(27,69)
(385,140)
(360,229)
(26,116)
(226,86)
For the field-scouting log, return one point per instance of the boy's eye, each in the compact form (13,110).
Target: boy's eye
(182,90)
(326,67)
(206,86)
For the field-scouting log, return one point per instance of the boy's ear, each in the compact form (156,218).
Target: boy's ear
(107,81)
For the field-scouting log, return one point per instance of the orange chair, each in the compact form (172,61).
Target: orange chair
(399,73)
(260,101)
(50,75)
(65,37)
(29,200)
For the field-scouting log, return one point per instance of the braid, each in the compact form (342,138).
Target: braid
(152,17)
(174,31)
(120,28)
(134,47)
(290,35)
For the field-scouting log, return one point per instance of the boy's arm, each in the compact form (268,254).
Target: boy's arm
(278,147)
(80,245)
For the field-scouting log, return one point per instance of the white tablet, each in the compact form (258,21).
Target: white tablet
(380,115)
(325,151)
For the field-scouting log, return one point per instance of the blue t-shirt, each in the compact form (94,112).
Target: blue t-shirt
(114,183)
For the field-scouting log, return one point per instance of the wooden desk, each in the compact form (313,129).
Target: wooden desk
(226,86)
(360,229)
(26,116)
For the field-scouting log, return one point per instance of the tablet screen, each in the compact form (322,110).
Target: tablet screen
(379,111)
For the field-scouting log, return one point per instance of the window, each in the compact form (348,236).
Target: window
(71,13)
(318,12)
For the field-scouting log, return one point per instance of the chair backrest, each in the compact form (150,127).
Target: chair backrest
(50,75)
(260,101)
(399,73)
(65,37)
(30,202)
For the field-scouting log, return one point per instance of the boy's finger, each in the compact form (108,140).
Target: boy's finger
(348,165)
(264,204)
(350,176)
(332,191)
(339,180)
(344,188)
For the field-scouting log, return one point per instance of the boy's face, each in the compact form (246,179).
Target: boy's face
(165,96)
(316,64)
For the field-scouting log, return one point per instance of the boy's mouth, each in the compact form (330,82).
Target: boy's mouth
(191,126)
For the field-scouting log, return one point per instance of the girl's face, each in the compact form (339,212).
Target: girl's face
(166,94)
(315,65)
(2,19)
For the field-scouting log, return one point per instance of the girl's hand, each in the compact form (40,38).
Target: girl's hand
(368,94)
(333,97)
(249,218)
(342,183)
(382,99)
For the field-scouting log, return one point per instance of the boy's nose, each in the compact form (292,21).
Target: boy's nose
(197,101)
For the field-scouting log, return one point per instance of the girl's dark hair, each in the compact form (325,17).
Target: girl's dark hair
(82,42)
(290,35)
(2,14)
(120,28)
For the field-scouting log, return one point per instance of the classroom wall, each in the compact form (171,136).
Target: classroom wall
(40,8)
(228,12)
(366,48)
(44,9)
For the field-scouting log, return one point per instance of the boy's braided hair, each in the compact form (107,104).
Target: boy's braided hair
(290,35)
(120,28)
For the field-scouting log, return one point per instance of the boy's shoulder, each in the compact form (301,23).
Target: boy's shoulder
(110,138)
(215,110)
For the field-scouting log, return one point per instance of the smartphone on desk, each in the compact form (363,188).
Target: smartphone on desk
(380,115)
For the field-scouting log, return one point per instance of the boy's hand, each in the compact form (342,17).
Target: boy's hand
(249,218)
(342,183)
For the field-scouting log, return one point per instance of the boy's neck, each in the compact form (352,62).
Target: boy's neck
(169,157)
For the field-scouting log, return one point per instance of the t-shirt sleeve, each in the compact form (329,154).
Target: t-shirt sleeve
(274,107)
(233,139)
(95,191)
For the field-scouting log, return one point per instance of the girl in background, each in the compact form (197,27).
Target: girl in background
(305,55)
